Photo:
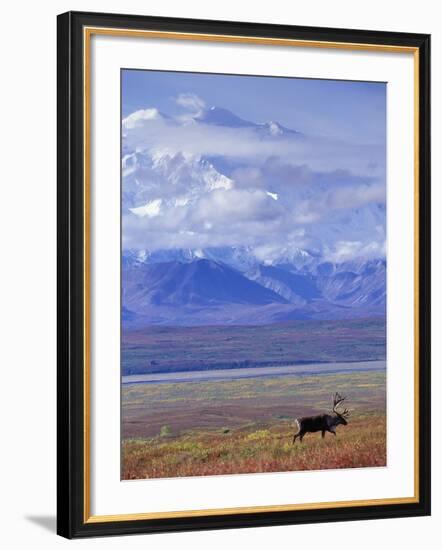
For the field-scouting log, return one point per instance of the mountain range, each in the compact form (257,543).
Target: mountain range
(191,176)
(218,116)
(159,178)
(243,229)
(181,287)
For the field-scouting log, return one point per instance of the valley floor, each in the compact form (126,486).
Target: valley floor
(246,425)
(171,349)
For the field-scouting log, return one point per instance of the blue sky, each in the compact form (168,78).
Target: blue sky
(332,108)
(189,182)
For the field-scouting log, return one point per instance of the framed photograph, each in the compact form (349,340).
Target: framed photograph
(243,274)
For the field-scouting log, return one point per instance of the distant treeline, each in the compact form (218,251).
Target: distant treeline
(201,366)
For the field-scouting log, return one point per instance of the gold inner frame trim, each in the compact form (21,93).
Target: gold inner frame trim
(87,34)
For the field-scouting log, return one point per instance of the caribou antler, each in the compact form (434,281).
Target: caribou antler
(337,400)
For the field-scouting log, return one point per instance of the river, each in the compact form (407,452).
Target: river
(253,372)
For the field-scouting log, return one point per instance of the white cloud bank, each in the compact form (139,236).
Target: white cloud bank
(187,184)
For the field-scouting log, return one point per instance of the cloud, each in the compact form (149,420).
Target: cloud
(344,197)
(221,216)
(191,103)
(292,173)
(137,119)
(357,196)
(236,205)
(347,250)
(248,176)
(193,185)
(159,132)
(150,209)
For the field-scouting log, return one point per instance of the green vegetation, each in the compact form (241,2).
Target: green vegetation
(165,431)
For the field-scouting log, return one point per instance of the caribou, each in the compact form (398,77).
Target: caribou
(322,422)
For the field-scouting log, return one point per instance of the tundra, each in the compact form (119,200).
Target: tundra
(322,422)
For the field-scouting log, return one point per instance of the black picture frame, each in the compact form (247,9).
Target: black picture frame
(71,502)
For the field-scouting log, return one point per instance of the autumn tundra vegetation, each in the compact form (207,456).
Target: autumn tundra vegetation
(247,425)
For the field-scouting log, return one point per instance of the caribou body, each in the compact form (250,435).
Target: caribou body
(322,422)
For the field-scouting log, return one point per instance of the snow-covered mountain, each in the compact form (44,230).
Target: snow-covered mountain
(157,179)
(241,258)
(223,117)
(215,205)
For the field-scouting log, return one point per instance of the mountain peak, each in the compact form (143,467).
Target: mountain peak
(198,283)
(219,116)
(275,129)
(141,116)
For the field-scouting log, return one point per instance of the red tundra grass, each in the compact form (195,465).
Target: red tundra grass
(361,444)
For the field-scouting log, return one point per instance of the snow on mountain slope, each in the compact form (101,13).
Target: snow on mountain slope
(295,288)
(355,284)
(164,178)
(224,220)
(222,117)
